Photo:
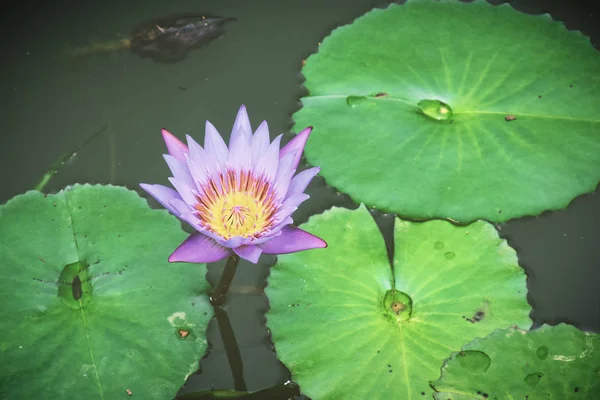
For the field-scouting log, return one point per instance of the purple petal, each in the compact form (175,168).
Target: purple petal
(175,147)
(182,180)
(301,181)
(250,253)
(179,169)
(260,142)
(234,242)
(201,163)
(290,205)
(163,195)
(199,174)
(296,145)
(242,123)
(214,144)
(185,213)
(240,152)
(180,206)
(198,248)
(268,236)
(291,240)
(285,171)
(186,192)
(277,228)
(268,161)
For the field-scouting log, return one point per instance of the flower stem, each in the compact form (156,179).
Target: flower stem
(232,349)
(63,160)
(219,295)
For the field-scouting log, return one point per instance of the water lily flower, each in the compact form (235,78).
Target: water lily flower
(238,198)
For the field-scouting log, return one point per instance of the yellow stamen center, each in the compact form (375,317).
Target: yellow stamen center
(237,205)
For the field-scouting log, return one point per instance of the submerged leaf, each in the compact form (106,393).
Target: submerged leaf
(168,39)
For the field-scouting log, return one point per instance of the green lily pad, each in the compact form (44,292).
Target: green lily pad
(558,362)
(444,109)
(344,332)
(90,307)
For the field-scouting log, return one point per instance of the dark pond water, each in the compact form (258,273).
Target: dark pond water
(49,106)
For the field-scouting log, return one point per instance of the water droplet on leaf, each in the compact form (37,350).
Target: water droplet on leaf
(533,379)
(449,255)
(74,287)
(438,245)
(542,352)
(474,361)
(397,305)
(354,101)
(435,109)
